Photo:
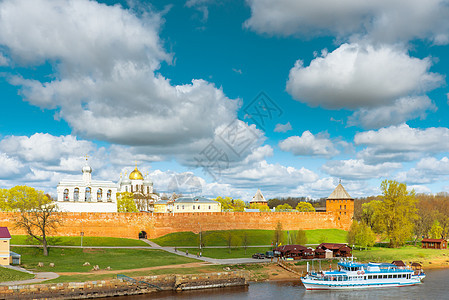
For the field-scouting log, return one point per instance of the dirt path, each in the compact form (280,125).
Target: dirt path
(189,265)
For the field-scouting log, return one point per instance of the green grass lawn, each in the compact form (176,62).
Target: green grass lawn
(406,253)
(10,275)
(222,253)
(255,237)
(76,241)
(91,277)
(72,259)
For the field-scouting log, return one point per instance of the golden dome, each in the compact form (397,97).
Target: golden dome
(136,175)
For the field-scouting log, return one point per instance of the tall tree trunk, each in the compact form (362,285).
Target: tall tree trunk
(44,244)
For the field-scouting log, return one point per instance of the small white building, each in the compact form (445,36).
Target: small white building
(195,204)
(87,195)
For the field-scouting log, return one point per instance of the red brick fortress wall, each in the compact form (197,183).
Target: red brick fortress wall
(128,225)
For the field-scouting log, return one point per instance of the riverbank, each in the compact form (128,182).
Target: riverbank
(124,285)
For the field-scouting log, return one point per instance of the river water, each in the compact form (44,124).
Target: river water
(435,286)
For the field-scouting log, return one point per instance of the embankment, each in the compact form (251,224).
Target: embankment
(120,287)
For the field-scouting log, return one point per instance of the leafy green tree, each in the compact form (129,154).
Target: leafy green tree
(229,204)
(436,231)
(278,234)
(37,212)
(260,207)
(283,207)
(301,237)
(397,212)
(305,207)
(361,235)
(126,203)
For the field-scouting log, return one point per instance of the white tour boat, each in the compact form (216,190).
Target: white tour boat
(352,275)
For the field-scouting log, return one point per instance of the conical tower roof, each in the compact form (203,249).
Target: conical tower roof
(339,193)
(258,197)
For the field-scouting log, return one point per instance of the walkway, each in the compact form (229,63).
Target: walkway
(39,277)
(227,261)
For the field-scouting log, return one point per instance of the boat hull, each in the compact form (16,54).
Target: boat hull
(320,285)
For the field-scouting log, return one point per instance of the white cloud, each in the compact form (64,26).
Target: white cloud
(427,170)
(11,167)
(3,60)
(382,20)
(360,76)
(309,145)
(399,112)
(403,138)
(283,127)
(356,169)
(105,83)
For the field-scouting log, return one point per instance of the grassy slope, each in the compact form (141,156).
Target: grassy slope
(76,241)
(10,275)
(407,254)
(255,237)
(72,260)
(223,253)
(90,277)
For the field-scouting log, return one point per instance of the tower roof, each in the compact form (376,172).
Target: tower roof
(339,193)
(258,197)
(136,175)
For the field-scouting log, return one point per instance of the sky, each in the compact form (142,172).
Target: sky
(221,98)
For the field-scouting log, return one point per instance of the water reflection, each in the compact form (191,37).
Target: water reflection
(434,287)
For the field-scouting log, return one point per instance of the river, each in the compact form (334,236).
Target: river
(435,286)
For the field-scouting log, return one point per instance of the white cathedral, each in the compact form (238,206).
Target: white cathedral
(87,195)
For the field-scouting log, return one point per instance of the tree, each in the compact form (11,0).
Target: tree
(301,237)
(260,207)
(396,212)
(126,203)
(305,207)
(229,204)
(37,212)
(283,207)
(361,235)
(278,234)
(436,231)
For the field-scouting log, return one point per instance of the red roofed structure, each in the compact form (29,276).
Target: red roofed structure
(5,237)
(434,243)
(339,250)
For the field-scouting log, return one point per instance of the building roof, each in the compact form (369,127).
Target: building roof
(399,263)
(136,175)
(339,193)
(258,197)
(195,200)
(331,246)
(4,233)
(433,240)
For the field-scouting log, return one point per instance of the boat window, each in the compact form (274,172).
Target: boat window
(395,276)
(390,276)
(370,276)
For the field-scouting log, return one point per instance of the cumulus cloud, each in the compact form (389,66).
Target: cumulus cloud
(357,169)
(405,138)
(283,127)
(200,6)
(427,170)
(105,84)
(360,76)
(309,145)
(382,21)
(398,112)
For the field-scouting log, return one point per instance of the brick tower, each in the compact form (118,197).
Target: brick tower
(342,204)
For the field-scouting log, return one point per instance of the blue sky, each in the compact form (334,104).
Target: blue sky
(286,96)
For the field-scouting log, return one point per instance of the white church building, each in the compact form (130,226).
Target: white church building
(87,195)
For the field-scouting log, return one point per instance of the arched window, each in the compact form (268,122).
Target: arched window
(148,189)
(66,195)
(87,196)
(126,189)
(76,194)
(99,195)
(109,196)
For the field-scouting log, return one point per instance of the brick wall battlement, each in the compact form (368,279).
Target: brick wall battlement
(128,225)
